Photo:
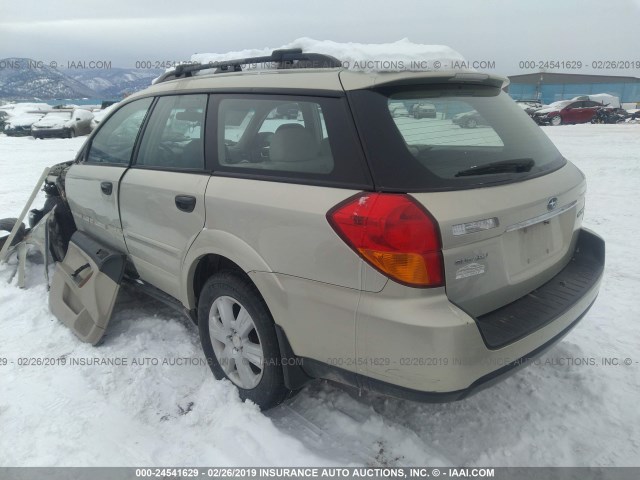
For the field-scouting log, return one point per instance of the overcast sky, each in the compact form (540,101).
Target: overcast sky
(504,31)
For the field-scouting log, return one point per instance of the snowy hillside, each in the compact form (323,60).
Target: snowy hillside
(114,82)
(24,78)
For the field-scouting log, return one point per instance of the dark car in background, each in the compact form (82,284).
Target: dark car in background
(530,106)
(471,119)
(566,112)
(424,110)
(20,125)
(289,111)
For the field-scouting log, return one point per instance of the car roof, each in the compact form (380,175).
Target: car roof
(328,79)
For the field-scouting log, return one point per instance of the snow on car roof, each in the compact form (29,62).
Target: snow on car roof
(16,109)
(24,119)
(402,55)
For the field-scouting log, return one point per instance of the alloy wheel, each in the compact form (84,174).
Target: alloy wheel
(236,343)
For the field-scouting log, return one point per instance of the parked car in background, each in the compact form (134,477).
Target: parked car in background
(602,98)
(424,110)
(20,125)
(63,124)
(398,109)
(610,115)
(567,112)
(289,111)
(99,116)
(530,106)
(470,119)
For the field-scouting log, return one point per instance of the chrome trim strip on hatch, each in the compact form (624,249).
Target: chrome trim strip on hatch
(541,218)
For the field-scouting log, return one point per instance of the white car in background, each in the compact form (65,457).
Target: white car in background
(18,117)
(99,116)
(20,124)
(63,124)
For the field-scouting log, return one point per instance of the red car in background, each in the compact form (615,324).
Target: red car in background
(567,112)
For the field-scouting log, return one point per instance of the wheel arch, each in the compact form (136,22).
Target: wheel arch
(212,251)
(208,261)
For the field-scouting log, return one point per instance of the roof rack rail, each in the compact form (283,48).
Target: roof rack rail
(284,58)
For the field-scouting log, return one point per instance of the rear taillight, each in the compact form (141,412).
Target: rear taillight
(394,234)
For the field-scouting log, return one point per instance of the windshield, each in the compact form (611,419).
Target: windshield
(472,127)
(65,115)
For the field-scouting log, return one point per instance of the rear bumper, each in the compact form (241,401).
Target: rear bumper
(317,369)
(421,347)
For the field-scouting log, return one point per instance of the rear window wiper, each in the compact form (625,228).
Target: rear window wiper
(518,165)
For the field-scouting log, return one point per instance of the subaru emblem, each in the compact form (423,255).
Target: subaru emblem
(552,204)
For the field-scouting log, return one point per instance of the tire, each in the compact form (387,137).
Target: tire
(555,120)
(6,224)
(226,298)
(72,133)
(472,123)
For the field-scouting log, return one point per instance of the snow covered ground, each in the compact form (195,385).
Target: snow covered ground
(562,411)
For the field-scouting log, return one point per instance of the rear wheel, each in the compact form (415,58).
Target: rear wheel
(556,120)
(239,339)
(472,123)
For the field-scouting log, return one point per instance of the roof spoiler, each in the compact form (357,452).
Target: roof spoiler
(452,76)
(283,58)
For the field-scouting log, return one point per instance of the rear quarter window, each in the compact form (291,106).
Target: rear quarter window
(297,139)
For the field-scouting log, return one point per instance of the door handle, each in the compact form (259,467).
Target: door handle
(186,203)
(106,187)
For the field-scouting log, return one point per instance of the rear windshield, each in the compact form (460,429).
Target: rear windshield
(449,137)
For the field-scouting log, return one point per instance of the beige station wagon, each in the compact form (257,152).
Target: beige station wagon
(310,233)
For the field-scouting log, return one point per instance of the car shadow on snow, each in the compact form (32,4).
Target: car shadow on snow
(532,404)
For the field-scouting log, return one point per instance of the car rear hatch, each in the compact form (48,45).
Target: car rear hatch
(508,205)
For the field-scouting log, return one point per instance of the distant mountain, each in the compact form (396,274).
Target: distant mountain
(115,82)
(23,78)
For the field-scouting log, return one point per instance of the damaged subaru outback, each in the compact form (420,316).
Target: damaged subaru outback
(395,254)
